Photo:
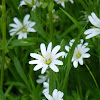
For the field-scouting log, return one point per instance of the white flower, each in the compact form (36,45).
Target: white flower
(80,52)
(62,2)
(26,27)
(42,78)
(47,59)
(56,95)
(93,31)
(46,86)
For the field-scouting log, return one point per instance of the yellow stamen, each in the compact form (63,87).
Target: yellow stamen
(43,59)
(24,30)
(78,55)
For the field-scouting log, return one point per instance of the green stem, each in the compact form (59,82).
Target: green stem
(92,76)
(52,82)
(51,25)
(4,41)
(79,83)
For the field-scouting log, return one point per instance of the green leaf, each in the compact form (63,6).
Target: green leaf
(50,7)
(33,89)
(73,20)
(44,5)
(20,70)
(2,96)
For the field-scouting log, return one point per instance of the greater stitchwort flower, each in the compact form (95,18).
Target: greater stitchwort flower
(96,29)
(47,59)
(56,95)
(80,52)
(27,26)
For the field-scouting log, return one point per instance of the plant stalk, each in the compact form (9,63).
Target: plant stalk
(3,41)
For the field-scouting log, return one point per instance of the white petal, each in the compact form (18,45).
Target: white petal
(26,18)
(37,56)
(54,67)
(44,69)
(49,97)
(81,40)
(63,4)
(12,33)
(58,62)
(86,55)
(86,49)
(22,3)
(34,62)
(86,43)
(60,94)
(81,61)
(31,30)
(92,35)
(92,30)
(95,17)
(24,35)
(54,94)
(59,54)
(71,1)
(55,49)
(13,25)
(37,67)
(92,21)
(20,36)
(67,48)
(43,49)
(16,20)
(31,24)
(75,63)
(13,30)
(46,85)
(49,47)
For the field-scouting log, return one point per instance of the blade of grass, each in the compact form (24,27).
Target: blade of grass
(34,92)
(92,75)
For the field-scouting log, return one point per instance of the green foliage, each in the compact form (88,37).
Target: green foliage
(19,80)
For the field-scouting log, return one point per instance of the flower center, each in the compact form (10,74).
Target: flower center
(24,30)
(48,61)
(78,55)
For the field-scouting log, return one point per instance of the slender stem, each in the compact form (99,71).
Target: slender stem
(52,81)
(51,25)
(4,41)
(79,83)
(92,76)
